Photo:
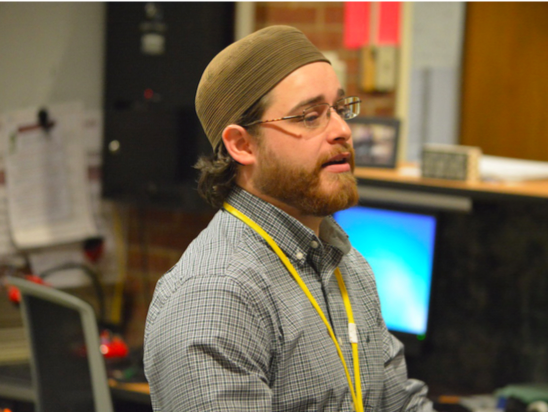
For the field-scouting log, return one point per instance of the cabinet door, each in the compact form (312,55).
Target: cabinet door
(505,79)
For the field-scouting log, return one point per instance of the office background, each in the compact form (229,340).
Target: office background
(492,285)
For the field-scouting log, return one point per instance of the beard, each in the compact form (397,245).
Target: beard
(302,189)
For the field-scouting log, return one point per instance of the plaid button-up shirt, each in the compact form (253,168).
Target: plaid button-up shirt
(229,329)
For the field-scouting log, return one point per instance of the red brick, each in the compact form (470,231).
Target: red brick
(352,66)
(261,12)
(351,88)
(169,240)
(195,221)
(384,111)
(291,14)
(159,262)
(155,216)
(325,40)
(334,14)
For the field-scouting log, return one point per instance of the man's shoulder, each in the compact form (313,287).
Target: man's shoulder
(218,244)
(226,248)
(221,254)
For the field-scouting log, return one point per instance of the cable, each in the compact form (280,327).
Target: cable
(91,274)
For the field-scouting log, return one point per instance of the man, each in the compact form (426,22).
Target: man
(270,308)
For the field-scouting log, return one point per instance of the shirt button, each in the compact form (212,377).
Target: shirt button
(314,244)
(299,255)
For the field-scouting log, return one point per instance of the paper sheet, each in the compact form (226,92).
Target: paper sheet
(38,191)
(46,178)
(7,248)
(52,257)
(507,169)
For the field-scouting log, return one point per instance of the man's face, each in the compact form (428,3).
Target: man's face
(307,170)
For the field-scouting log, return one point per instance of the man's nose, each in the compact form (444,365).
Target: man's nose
(338,129)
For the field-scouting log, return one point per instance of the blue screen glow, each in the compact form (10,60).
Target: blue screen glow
(399,246)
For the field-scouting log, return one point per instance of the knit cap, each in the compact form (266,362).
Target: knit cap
(245,71)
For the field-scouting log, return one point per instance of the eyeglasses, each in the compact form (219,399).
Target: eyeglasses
(317,117)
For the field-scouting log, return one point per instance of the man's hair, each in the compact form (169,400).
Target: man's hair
(218,170)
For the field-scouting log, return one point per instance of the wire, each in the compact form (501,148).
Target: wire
(91,274)
(117,300)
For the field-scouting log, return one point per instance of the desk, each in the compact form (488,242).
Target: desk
(488,314)
(16,385)
(138,392)
(405,178)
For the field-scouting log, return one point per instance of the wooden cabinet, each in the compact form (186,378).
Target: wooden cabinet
(505,79)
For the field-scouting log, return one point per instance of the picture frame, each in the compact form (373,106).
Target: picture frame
(375,141)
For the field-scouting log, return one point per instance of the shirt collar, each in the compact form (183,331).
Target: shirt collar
(292,236)
(333,234)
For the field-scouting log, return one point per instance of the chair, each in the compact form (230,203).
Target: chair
(68,370)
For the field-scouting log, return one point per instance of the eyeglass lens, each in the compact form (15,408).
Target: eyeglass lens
(318,115)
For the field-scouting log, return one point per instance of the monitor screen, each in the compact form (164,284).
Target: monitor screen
(399,246)
(60,351)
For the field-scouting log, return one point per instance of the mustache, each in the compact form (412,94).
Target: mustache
(344,148)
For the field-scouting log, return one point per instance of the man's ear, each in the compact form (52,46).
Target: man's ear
(239,144)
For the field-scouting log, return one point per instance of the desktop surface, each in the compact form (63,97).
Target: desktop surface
(406,176)
(16,384)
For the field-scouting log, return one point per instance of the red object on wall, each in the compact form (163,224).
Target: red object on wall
(358,21)
(356,24)
(389,23)
(13,293)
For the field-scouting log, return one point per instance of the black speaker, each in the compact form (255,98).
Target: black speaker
(155,56)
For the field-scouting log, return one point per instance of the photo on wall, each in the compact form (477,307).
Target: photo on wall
(375,141)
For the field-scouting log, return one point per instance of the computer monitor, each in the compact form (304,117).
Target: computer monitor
(399,245)
(68,369)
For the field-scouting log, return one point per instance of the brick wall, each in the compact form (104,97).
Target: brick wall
(156,239)
(323,23)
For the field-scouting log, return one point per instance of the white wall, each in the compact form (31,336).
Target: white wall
(429,102)
(51,53)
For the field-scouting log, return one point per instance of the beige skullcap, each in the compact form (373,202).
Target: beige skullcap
(245,71)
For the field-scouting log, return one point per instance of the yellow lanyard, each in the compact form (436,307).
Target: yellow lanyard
(356,394)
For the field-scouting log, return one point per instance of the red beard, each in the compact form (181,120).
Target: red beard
(302,189)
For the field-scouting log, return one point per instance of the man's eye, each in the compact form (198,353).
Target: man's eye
(311,117)
(298,119)
(342,110)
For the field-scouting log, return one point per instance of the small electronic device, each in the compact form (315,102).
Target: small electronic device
(452,162)
(399,245)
